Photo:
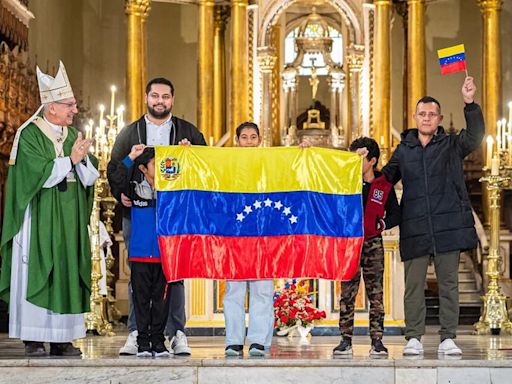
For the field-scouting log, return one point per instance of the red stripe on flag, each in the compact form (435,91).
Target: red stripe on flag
(253,257)
(453,67)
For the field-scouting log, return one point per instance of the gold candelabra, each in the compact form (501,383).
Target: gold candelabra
(103,310)
(494,316)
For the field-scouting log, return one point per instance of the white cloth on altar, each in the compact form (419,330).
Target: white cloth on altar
(26,320)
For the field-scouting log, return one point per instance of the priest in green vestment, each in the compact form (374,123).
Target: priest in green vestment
(46,258)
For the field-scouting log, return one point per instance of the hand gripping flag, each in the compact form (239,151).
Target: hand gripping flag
(258,213)
(452,59)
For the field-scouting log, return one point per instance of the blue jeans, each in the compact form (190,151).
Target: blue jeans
(261,312)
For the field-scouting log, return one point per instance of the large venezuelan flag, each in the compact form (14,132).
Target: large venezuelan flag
(258,213)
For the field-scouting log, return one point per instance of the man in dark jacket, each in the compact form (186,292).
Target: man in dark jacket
(436,221)
(157,127)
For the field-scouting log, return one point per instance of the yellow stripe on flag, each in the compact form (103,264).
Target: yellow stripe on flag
(247,170)
(450,51)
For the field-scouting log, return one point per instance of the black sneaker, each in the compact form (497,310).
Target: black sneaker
(64,349)
(159,349)
(144,349)
(344,347)
(234,350)
(256,350)
(378,348)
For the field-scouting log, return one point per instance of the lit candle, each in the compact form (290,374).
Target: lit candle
(88,131)
(490,144)
(509,112)
(498,145)
(509,139)
(211,141)
(112,100)
(498,135)
(102,110)
(495,166)
(503,134)
(120,117)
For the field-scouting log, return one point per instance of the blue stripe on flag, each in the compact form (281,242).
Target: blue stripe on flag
(259,214)
(452,59)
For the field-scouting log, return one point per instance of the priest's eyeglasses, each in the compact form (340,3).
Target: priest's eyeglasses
(69,105)
(430,115)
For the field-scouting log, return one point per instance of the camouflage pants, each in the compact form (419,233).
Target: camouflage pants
(372,265)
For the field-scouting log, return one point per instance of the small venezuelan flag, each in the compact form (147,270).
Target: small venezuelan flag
(452,59)
(258,213)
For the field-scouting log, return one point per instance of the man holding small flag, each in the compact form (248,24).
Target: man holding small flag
(437,221)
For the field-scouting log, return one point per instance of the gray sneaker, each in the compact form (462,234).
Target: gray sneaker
(179,344)
(130,348)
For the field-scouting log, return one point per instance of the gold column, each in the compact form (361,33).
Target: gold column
(355,65)
(266,61)
(491,83)
(275,89)
(219,72)
(137,12)
(382,74)
(416,87)
(205,69)
(239,66)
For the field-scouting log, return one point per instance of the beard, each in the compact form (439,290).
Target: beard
(159,114)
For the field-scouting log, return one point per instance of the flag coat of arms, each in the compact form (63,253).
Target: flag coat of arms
(258,213)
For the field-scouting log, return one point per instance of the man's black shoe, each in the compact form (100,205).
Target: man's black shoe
(256,350)
(378,348)
(64,349)
(34,349)
(344,347)
(234,350)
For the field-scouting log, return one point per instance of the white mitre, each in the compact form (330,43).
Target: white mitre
(54,89)
(50,90)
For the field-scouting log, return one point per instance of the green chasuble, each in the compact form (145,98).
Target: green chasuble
(59,269)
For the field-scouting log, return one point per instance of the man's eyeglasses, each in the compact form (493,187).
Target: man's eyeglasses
(69,105)
(430,115)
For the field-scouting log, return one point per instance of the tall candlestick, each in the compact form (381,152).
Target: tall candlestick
(498,134)
(495,166)
(112,100)
(503,134)
(490,144)
(102,110)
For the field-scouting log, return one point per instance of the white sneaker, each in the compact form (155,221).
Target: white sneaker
(413,348)
(448,347)
(130,347)
(179,344)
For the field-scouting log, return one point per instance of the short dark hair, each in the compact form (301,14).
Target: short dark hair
(247,124)
(429,99)
(145,157)
(159,80)
(370,144)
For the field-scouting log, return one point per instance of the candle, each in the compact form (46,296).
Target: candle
(495,166)
(498,145)
(382,141)
(88,131)
(490,144)
(112,100)
(498,134)
(509,139)
(503,134)
(509,112)
(211,141)
(102,110)
(120,117)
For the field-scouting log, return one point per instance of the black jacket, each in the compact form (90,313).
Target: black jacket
(436,211)
(135,133)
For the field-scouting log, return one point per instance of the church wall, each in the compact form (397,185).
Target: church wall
(90,37)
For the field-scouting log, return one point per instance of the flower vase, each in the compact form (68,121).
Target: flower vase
(304,331)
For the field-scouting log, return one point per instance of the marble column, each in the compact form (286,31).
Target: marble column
(137,12)
(205,69)
(290,82)
(416,79)
(355,64)
(266,62)
(382,74)
(239,104)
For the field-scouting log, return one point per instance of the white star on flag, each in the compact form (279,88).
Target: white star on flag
(240,217)
(268,202)
(293,219)
(278,205)
(247,209)
(257,204)
(287,211)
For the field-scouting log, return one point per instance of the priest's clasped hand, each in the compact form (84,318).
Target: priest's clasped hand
(80,149)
